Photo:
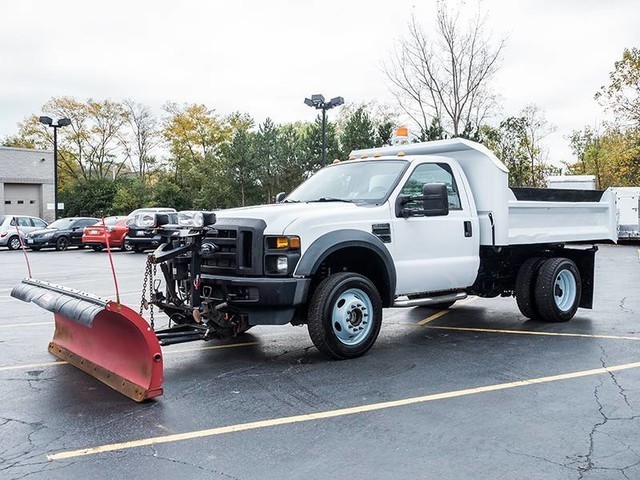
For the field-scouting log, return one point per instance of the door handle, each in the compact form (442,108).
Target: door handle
(467,229)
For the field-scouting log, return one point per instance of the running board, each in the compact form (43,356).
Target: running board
(419,302)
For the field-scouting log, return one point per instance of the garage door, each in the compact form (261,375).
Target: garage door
(22,199)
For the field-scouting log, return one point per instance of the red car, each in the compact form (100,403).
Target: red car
(94,235)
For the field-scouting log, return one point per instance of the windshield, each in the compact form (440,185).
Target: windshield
(110,221)
(62,223)
(368,182)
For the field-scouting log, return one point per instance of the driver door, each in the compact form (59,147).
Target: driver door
(435,253)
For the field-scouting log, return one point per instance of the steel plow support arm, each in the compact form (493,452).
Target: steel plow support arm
(108,341)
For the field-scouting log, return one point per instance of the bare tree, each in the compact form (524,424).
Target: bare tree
(443,77)
(536,129)
(143,126)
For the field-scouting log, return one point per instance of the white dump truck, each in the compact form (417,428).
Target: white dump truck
(421,224)
(411,225)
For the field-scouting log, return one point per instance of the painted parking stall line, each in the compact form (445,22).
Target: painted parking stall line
(442,313)
(31,324)
(533,332)
(241,427)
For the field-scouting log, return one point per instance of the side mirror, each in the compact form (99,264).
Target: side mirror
(435,199)
(280,197)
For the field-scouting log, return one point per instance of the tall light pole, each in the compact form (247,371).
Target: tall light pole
(63,122)
(317,101)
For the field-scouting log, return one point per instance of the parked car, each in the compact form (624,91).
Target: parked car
(94,235)
(9,234)
(140,238)
(61,234)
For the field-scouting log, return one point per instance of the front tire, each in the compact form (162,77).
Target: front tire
(97,248)
(62,243)
(345,315)
(558,290)
(13,243)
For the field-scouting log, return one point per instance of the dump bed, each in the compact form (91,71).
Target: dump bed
(559,216)
(509,217)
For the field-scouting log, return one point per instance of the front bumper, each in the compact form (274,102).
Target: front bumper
(265,300)
(144,242)
(40,242)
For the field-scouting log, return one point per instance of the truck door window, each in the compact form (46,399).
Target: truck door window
(432,173)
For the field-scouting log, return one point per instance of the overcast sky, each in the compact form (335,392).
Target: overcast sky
(264,57)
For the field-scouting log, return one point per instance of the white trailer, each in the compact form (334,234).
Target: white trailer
(572,182)
(628,212)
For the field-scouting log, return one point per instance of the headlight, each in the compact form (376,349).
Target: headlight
(282,264)
(145,220)
(190,219)
(47,235)
(196,218)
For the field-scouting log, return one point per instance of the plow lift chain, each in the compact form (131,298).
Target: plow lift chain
(149,273)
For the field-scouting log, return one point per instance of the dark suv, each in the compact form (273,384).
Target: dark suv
(141,238)
(61,234)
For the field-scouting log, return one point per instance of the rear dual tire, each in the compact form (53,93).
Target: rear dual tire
(548,289)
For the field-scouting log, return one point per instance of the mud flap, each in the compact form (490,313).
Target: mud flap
(108,341)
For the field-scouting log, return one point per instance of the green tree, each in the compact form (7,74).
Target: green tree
(622,95)
(167,193)
(359,132)
(241,164)
(192,133)
(269,169)
(91,147)
(92,196)
(292,155)
(613,156)
(312,143)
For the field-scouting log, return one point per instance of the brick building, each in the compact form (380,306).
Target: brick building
(26,182)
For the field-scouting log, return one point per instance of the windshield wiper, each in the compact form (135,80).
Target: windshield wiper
(330,199)
(291,201)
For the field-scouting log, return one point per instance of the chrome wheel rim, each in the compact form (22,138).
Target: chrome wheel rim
(15,243)
(352,316)
(565,290)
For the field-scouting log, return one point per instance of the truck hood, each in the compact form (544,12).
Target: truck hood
(279,216)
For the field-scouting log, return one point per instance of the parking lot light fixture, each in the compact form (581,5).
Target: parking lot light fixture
(318,102)
(62,122)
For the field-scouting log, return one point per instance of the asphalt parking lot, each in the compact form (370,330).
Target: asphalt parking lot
(474,392)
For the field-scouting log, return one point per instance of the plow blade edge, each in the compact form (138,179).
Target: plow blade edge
(108,341)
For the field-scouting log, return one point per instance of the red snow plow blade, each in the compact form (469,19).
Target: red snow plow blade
(108,341)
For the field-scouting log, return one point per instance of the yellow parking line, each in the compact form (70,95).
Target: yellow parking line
(330,413)
(441,313)
(168,352)
(530,332)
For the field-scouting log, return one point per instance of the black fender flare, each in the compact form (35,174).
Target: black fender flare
(331,242)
